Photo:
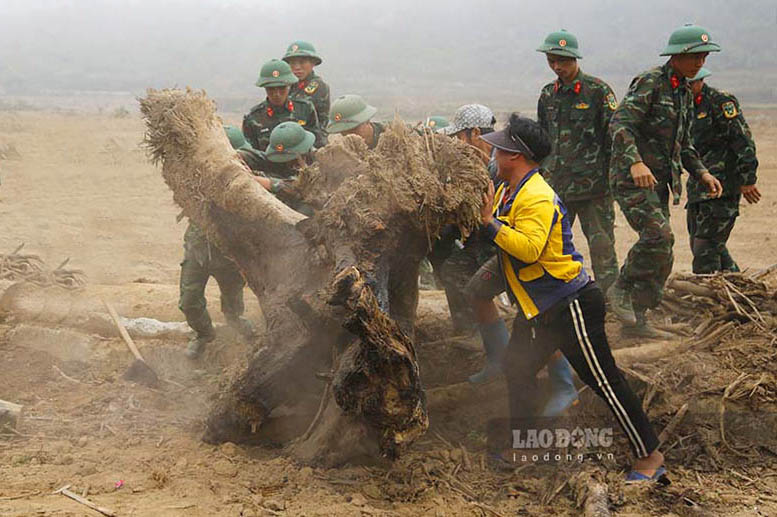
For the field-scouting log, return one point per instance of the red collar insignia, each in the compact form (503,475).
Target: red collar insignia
(301,84)
(555,87)
(697,99)
(270,111)
(290,106)
(577,87)
(675,81)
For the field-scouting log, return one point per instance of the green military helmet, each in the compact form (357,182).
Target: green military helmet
(690,39)
(347,112)
(561,43)
(701,74)
(302,49)
(288,141)
(236,138)
(276,73)
(436,122)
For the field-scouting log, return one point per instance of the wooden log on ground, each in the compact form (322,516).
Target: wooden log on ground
(10,414)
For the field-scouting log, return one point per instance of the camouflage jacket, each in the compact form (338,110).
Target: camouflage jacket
(263,118)
(723,139)
(652,125)
(316,91)
(576,116)
(281,175)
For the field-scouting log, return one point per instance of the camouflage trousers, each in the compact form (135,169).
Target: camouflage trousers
(455,274)
(201,261)
(650,259)
(709,227)
(597,218)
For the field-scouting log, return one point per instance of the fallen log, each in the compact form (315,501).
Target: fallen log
(10,414)
(338,290)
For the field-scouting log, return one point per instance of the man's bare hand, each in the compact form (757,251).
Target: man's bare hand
(750,193)
(642,176)
(487,210)
(713,185)
(265,182)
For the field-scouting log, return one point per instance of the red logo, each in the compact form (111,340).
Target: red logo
(562,43)
(270,111)
(290,106)
(675,81)
(705,38)
(275,73)
(578,87)
(697,99)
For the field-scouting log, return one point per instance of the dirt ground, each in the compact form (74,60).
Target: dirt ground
(78,186)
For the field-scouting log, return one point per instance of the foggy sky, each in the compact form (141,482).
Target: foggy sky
(398,52)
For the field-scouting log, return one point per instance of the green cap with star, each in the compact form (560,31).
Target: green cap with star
(275,73)
(288,141)
(690,39)
(347,112)
(302,49)
(561,43)
(236,138)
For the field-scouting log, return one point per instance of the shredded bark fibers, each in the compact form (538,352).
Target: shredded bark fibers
(199,165)
(420,182)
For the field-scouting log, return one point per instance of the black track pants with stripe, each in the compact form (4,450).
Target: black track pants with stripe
(577,329)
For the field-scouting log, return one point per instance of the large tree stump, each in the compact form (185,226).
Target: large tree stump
(338,290)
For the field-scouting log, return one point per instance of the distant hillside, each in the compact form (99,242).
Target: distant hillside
(422,53)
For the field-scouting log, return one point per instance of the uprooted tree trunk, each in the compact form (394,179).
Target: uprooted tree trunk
(328,284)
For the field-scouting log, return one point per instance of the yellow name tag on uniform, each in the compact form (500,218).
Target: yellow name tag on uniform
(301,122)
(701,115)
(311,88)
(582,106)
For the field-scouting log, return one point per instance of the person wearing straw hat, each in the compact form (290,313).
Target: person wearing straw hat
(560,306)
(277,79)
(302,58)
(651,145)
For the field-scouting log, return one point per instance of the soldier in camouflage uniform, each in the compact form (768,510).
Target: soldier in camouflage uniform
(276,78)
(723,139)
(201,261)
(575,111)
(651,145)
(351,115)
(302,58)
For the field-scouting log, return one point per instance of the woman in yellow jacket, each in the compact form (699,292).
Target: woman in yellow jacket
(562,307)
